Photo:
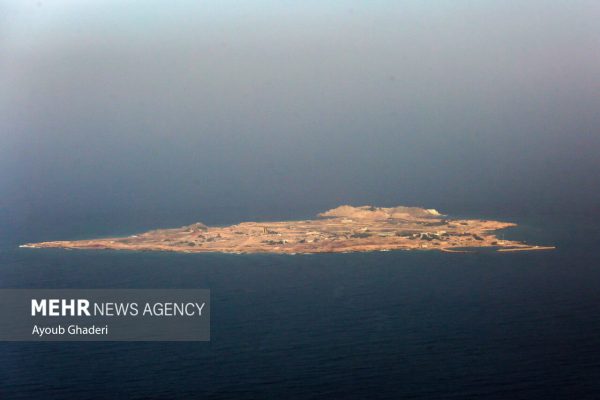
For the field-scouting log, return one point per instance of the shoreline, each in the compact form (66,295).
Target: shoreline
(344,229)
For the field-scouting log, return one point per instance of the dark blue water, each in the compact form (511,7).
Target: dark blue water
(411,325)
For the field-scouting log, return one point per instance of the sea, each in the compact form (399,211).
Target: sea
(382,325)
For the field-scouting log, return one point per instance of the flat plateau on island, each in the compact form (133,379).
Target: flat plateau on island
(340,230)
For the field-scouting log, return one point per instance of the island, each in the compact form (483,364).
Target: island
(339,230)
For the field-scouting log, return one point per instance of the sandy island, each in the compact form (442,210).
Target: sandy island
(340,230)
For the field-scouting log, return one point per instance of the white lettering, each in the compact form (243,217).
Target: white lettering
(53,307)
(48,330)
(38,307)
(173,309)
(60,307)
(82,307)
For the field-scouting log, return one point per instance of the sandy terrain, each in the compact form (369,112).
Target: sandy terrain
(342,229)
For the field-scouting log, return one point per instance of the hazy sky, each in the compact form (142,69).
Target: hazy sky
(208,108)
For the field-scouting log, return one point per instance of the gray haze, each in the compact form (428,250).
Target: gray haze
(146,114)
